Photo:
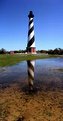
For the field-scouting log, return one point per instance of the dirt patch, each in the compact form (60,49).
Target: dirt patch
(17,105)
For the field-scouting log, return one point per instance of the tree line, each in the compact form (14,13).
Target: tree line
(57,51)
(4,51)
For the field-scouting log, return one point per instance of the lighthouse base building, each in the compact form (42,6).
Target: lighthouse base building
(31,37)
(31,50)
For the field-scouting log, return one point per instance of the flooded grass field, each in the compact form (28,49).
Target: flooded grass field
(45,103)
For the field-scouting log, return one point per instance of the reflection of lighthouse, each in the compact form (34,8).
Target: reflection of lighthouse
(31,39)
(31,65)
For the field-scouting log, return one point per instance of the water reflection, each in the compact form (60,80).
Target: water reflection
(30,65)
(45,74)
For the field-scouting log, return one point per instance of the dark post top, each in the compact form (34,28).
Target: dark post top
(30,14)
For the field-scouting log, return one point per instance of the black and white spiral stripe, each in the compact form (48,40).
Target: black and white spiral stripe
(30,72)
(31,39)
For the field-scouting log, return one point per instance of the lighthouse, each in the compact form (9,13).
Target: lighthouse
(31,37)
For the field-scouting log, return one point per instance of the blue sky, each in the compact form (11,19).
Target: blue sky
(48,23)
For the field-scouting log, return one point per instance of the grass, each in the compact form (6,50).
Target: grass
(7,60)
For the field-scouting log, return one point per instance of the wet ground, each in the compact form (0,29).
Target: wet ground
(45,103)
(47,72)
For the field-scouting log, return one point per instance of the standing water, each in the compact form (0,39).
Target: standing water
(48,73)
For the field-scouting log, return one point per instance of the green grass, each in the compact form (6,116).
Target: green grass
(6,60)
